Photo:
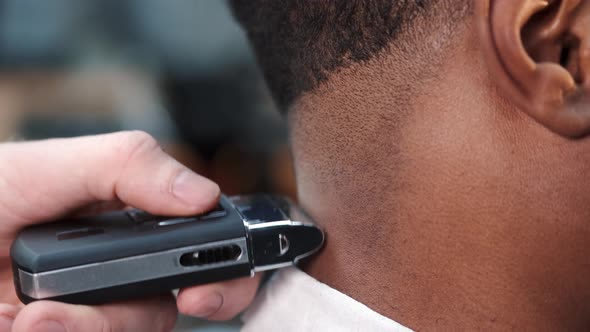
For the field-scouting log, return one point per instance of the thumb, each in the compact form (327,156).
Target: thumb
(155,314)
(46,179)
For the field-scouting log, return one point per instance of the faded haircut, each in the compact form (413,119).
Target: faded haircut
(299,43)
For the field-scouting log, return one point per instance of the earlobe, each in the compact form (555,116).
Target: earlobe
(538,53)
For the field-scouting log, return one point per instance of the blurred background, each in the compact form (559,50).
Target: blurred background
(180,70)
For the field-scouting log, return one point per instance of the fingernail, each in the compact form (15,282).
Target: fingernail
(208,306)
(5,323)
(49,326)
(194,189)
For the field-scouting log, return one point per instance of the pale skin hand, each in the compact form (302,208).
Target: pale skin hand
(41,181)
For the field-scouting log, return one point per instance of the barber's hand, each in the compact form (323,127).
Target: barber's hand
(45,180)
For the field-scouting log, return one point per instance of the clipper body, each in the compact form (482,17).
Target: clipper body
(132,254)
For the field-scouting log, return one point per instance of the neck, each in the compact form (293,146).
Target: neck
(469,239)
(441,273)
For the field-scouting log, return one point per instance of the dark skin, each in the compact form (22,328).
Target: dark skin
(459,201)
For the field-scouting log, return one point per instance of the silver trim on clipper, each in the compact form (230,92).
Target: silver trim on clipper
(121,271)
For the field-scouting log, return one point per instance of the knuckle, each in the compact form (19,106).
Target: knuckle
(31,315)
(136,142)
(126,147)
(119,152)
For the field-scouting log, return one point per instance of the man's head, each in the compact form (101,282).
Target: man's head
(447,136)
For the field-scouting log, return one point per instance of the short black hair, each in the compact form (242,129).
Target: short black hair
(299,42)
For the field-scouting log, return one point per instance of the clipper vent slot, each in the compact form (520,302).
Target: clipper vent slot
(213,255)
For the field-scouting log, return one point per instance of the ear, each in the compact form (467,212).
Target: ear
(538,52)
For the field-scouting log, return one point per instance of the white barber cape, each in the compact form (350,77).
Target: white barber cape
(294,301)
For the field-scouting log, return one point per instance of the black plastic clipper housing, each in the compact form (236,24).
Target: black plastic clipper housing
(131,254)
(118,235)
